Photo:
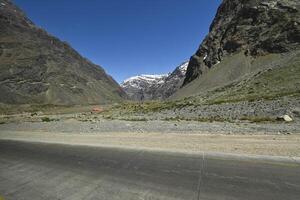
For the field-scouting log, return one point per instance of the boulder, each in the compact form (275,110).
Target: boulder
(285,118)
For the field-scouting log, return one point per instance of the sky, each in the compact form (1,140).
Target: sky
(127,37)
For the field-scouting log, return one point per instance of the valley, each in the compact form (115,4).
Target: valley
(224,124)
(243,80)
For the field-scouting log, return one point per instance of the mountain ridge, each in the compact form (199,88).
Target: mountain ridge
(38,68)
(256,28)
(154,87)
(245,38)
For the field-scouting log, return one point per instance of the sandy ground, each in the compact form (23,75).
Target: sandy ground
(269,145)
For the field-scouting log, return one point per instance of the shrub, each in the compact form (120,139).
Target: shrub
(47,119)
(33,114)
(257,119)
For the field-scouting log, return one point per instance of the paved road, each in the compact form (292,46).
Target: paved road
(35,171)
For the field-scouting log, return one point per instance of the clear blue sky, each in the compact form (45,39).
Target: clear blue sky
(127,37)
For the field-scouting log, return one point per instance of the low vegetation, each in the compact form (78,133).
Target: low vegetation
(257,119)
(47,119)
(268,85)
(146,107)
(135,119)
(199,119)
(8,109)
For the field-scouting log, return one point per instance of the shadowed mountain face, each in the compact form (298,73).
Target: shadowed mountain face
(253,27)
(155,87)
(37,68)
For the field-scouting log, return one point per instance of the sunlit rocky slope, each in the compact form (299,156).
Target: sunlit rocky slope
(252,50)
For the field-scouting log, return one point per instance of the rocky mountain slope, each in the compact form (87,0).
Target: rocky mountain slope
(247,39)
(154,87)
(37,68)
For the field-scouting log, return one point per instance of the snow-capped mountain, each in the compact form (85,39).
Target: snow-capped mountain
(155,87)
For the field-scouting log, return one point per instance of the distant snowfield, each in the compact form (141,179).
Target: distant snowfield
(146,78)
(150,79)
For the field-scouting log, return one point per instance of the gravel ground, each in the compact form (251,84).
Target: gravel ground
(226,111)
(269,145)
(272,109)
(275,139)
(106,126)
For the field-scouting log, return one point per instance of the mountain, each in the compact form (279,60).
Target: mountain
(154,87)
(248,41)
(37,68)
(143,87)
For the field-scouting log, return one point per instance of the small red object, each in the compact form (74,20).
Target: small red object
(97,109)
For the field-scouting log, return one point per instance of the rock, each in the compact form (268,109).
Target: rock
(285,118)
(254,27)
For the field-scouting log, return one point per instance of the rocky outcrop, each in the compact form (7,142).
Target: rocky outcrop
(154,87)
(143,87)
(37,68)
(256,28)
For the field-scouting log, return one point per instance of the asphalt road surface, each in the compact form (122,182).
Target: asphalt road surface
(37,171)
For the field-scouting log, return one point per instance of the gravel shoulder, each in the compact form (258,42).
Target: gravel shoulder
(70,124)
(268,145)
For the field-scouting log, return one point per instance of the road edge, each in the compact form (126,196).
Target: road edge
(208,154)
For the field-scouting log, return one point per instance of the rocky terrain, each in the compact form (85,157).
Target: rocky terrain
(155,87)
(254,28)
(165,122)
(243,111)
(37,68)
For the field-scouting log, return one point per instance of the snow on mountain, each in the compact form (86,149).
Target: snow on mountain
(183,67)
(138,81)
(155,87)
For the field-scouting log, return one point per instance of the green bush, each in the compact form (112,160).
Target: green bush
(136,119)
(47,119)
(33,114)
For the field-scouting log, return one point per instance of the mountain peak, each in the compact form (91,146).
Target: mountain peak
(183,67)
(154,87)
(145,77)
